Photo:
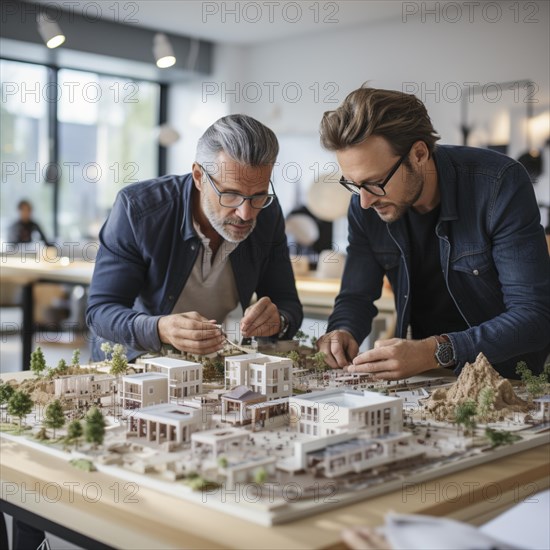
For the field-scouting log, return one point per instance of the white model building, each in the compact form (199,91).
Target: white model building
(184,377)
(329,412)
(271,376)
(166,423)
(83,386)
(143,390)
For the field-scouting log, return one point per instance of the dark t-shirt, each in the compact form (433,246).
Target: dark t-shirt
(433,310)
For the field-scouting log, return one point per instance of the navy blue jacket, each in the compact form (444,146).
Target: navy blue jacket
(148,247)
(493,256)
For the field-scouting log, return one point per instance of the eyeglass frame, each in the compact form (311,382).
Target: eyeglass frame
(356,188)
(220,194)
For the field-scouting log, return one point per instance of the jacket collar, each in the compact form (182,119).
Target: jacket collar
(446,180)
(187,229)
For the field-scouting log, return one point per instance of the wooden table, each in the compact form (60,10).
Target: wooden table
(28,271)
(126,515)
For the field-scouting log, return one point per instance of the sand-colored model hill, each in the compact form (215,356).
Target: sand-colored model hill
(473,378)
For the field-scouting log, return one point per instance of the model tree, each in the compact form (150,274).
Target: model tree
(535,385)
(74,432)
(54,417)
(301,336)
(486,403)
(464,415)
(38,362)
(319,362)
(20,405)
(500,437)
(6,391)
(62,367)
(107,349)
(75,361)
(260,476)
(119,361)
(95,427)
(295,357)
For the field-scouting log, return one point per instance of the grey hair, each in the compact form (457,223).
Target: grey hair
(243,138)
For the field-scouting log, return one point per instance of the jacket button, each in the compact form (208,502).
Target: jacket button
(405,296)
(171,297)
(192,247)
(475,272)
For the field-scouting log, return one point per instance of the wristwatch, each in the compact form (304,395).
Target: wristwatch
(444,351)
(283,326)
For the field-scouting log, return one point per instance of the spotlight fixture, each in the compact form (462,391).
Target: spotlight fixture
(163,52)
(50,31)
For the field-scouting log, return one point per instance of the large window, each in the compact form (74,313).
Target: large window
(106,141)
(103,139)
(24,144)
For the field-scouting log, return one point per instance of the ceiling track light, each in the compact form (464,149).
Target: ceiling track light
(163,51)
(50,31)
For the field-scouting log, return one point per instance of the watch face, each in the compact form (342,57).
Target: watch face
(445,354)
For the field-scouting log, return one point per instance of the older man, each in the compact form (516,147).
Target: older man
(178,253)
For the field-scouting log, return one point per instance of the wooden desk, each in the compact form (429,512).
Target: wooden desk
(129,516)
(27,271)
(317,295)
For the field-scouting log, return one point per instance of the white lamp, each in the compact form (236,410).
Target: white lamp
(163,51)
(50,31)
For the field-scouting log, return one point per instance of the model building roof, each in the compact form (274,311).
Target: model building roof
(170,362)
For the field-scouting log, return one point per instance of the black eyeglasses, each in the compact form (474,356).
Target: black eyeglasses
(234,200)
(373,187)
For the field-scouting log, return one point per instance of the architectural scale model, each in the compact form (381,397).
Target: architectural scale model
(303,437)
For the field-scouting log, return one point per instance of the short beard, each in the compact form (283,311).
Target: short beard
(220,225)
(415,185)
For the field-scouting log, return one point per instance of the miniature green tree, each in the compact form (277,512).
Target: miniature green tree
(313,340)
(107,349)
(119,362)
(486,403)
(295,357)
(260,475)
(222,462)
(20,404)
(301,336)
(54,417)
(500,437)
(75,361)
(319,362)
(6,391)
(534,385)
(219,366)
(95,427)
(119,365)
(74,432)
(38,362)
(62,367)
(209,372)
(464,415)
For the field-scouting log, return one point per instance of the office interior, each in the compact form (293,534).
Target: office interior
(95,113)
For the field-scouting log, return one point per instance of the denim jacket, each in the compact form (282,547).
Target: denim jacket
(148,247)
(493,256)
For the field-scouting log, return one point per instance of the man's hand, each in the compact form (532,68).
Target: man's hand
(396,358)
(261,319)
(339,347)
(190,332)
